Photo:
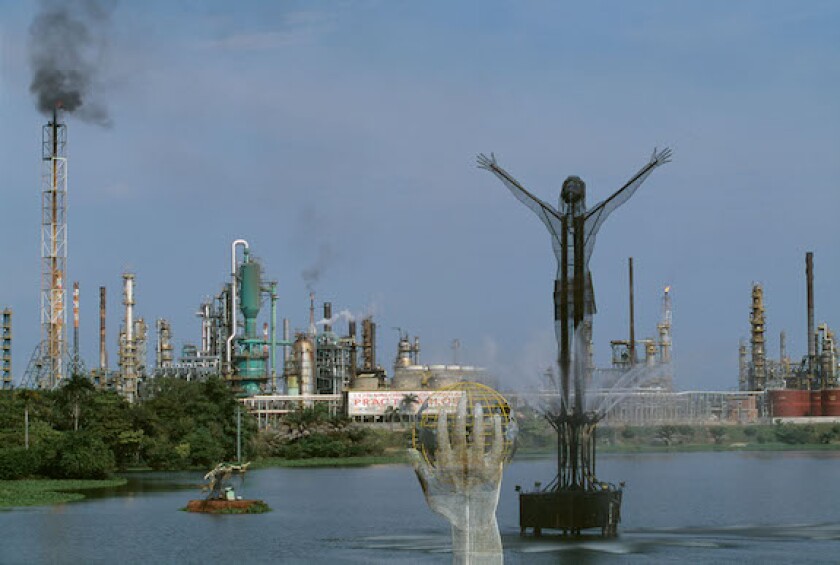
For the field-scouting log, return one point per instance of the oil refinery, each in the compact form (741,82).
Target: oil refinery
(276,370)
(791,391)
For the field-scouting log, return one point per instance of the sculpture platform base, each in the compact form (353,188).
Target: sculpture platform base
(570,511)
(227,506)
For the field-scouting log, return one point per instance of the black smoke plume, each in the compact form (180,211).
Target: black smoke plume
(67,44)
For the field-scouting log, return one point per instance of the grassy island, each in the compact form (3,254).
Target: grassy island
(37,492)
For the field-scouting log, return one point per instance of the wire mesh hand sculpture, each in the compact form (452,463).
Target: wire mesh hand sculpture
(462,484)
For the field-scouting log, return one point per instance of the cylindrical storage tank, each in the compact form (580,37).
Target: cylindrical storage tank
(831,402)
(366,382)
(440,380)
(249,297)
(816,403)
(407,380)
(788,403)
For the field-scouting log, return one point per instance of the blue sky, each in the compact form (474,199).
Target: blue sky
(346,133)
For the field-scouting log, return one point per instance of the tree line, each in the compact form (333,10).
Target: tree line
(78,431)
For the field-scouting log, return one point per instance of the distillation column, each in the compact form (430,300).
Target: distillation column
(759,372)
(127,362)
(664,328)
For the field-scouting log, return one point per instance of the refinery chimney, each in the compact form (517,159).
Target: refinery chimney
(354,363)
(632,348)
(327,316)
(312,330)
(812,346)
(128,370)
(103,351)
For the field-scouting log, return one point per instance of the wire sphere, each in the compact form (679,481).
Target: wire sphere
(424,435)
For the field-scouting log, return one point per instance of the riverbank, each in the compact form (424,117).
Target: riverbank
(37,492)
(361,461)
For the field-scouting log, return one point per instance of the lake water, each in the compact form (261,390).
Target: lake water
(682,507)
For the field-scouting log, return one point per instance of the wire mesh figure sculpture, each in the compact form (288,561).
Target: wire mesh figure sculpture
(573,228)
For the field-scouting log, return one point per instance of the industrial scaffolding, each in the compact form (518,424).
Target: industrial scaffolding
(48,367)
(6,348)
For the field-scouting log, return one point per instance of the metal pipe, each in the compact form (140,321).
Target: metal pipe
(632,319)
(286,348)
(312,330)
(273,291)
(812,345)
(103,350)
(229,350)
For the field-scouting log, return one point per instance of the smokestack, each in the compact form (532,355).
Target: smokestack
(351,330)
(632,324)
(372,345)
(367,356)
(128,360)
(103,351)
(312,314)
(812,345)
(327,316)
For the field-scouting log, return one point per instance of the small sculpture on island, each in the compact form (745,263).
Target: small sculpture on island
(221,497)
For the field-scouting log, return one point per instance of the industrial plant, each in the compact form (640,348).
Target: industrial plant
(791,390)
(334,360)
(238,341)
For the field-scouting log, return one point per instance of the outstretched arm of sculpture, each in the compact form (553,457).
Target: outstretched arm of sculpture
(596,215)
(462,485)
(547,214)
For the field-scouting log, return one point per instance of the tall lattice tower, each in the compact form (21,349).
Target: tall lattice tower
(53,251)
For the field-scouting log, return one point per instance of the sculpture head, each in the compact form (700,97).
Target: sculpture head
(574,190)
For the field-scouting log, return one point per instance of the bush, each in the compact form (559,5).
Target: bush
(160,454)
(354,442)
(204,450)
(794,434)
(718,434)
(79,455)
(18,463)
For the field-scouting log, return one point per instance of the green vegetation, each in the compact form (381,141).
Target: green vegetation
(78,432)
(312,433)
(38,492)
(394,458)
(536,436)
